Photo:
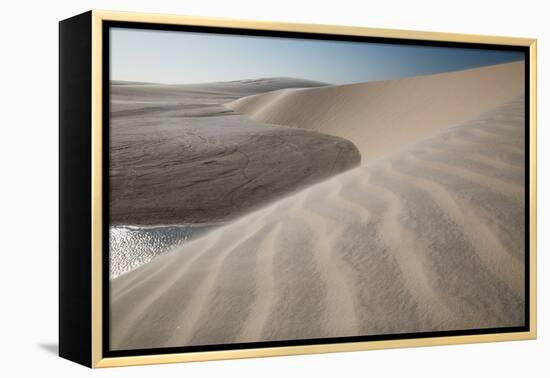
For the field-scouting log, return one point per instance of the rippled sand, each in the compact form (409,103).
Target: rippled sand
(430,237)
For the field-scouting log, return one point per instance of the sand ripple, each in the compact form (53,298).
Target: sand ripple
(429,238)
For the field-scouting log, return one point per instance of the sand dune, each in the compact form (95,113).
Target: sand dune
(128,95)
(381,117)
(253,86)
(429,238)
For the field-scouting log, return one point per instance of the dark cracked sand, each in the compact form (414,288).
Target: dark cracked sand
(178,156)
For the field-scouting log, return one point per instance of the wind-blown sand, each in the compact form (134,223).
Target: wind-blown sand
(430,237)
(381,117)
(178,156)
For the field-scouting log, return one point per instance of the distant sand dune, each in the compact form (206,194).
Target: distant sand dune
(381,117)
(428,238)
(131,95)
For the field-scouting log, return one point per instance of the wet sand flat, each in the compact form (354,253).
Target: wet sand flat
(177,155)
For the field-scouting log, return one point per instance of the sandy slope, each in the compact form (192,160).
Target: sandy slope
(178,156)
(381,117)
(430,238)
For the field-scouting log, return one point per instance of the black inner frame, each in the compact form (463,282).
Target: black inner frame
(106,25)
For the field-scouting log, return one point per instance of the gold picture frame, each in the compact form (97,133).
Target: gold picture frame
(94,22)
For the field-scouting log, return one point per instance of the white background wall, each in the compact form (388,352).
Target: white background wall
(28,154)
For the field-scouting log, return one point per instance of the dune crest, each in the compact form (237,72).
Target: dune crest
(382,117)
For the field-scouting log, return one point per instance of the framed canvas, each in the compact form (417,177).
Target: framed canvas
(236,189)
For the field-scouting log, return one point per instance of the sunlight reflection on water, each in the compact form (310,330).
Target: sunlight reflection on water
(131,246)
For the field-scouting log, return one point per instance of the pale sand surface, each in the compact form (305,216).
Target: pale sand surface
(381,117)
(178,156)
(430,237)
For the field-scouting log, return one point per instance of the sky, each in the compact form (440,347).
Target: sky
(175,57)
